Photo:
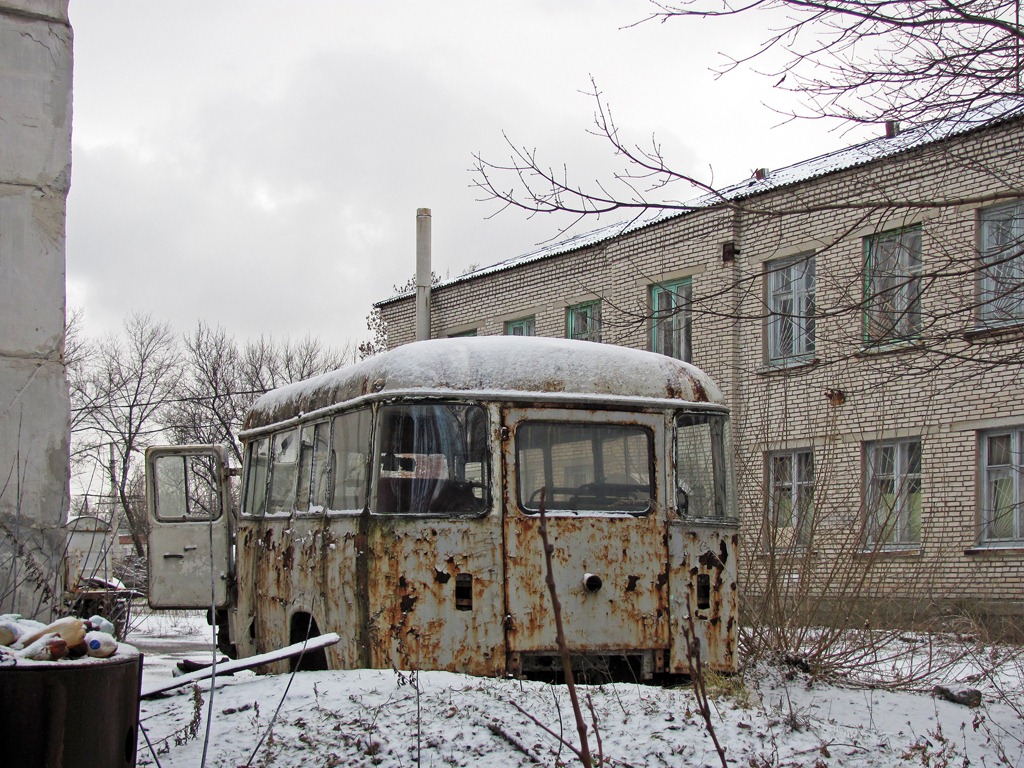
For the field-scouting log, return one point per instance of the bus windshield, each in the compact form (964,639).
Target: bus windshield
(573,467)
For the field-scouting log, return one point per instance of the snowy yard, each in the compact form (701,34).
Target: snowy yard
(388,718)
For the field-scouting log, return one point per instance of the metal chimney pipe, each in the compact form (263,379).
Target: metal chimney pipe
(422,273)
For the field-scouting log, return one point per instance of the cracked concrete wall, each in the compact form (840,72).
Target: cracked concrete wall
(35,173)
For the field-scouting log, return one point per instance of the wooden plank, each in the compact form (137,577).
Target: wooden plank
(313,644)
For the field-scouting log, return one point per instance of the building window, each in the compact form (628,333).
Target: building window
(583,321)
(462,334)
(791,497)
(524,326)
(1002,267)
(894,493)
(791,307)
(893,285)
(1002,509)
(670,312)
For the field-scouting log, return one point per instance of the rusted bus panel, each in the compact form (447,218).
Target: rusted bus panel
(298,565)
(704,594)
(627,552)
(435,594)
(628,612)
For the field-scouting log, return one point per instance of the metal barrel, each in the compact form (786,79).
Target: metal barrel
(70,714)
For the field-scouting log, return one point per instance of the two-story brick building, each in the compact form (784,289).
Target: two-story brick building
(864,313)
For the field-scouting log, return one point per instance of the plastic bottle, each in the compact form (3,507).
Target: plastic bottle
(100,644)
(101,624)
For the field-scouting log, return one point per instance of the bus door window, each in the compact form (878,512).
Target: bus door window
(472,467)
(350,458)
(433,458)
(187,488)
(704,470)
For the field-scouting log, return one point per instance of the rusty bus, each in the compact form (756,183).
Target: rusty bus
(396,502)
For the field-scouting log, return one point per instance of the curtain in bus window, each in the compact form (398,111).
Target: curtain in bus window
(350,457)
(432,458)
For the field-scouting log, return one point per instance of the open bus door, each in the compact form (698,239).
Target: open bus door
(188,503)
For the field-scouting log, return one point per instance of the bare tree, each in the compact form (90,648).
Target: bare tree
(378,341)
(221,379)
(856,60)
(118,402)
(211,397)
(875,60)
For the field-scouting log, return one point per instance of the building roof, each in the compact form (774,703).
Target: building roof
(984,116)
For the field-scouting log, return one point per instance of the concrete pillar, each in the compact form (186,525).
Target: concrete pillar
(35,172)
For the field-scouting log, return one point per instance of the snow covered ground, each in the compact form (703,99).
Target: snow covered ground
(388,718)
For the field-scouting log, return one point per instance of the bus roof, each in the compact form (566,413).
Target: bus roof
(495,368)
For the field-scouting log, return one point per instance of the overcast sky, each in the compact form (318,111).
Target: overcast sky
(259,164)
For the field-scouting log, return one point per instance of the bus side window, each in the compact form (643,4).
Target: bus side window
(313,468)
(284,456)
(432,459)
(349,456)
(320,482)
(704,469)
(257,473)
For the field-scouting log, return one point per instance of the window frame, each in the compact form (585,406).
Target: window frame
(720,499)
(906,287)
(801,292)
(591,310)
(293,433)
(181,488)
(628,430)
(801,498)
(1013,471)
(902,483)
(363,429)
(314,470)
(527,326)
(680,344)
(988,290)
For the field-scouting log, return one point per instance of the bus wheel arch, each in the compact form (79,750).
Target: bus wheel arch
(302,627)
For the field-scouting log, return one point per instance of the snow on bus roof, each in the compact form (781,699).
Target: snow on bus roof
(496,365)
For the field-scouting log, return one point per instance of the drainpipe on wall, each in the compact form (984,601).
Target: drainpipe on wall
(422,274)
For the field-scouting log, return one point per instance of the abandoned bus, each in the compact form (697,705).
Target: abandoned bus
(397,502)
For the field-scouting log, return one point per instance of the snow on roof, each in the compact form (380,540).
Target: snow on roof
(985,116)
(496,366)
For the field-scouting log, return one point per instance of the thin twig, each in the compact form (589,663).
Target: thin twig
(563,648)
